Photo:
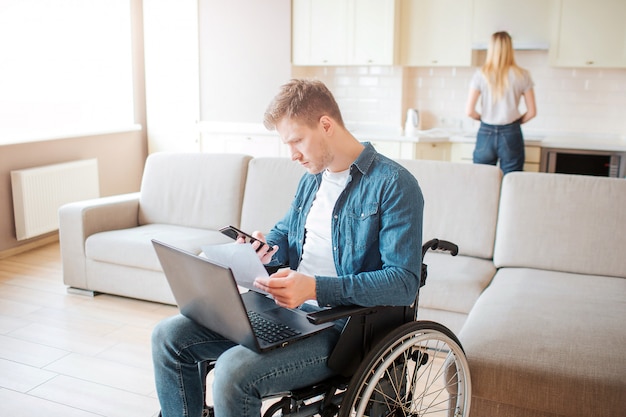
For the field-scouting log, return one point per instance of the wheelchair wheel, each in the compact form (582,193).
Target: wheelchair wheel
(418,370)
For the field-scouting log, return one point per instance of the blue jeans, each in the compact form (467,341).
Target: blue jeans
(504,142)
(241,378)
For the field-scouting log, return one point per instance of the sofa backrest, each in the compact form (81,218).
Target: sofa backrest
(193,189)
(460,203)
(461,200)
(270,187)
(569,223)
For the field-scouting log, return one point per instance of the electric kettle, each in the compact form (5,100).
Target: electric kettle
(411,126)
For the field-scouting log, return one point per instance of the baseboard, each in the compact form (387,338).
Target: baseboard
(53,238)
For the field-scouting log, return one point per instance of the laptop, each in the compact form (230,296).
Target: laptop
(207,293)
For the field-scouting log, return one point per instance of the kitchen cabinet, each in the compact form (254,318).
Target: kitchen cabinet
(462,152)
(318,33)
(528,22)
(254,145)
(375,32)
(439,151)
(436,32)
(533,157)
(344,32)
(394,149)
(589,34)
(390,149)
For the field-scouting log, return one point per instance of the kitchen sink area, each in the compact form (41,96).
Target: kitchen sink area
(440,143)
(603,155)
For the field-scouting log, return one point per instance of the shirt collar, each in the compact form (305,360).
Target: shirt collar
(364,161)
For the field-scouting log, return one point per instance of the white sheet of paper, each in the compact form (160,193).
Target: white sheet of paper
(241,259)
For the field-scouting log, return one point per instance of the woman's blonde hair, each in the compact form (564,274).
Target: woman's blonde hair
(500,60)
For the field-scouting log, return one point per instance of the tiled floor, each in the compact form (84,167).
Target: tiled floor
(65,355)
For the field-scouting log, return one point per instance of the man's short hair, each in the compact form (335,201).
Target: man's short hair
(303,100)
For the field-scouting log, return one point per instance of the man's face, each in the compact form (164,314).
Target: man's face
(308,145)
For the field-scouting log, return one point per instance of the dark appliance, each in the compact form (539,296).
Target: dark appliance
(584,162)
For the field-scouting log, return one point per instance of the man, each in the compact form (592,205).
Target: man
(352,236)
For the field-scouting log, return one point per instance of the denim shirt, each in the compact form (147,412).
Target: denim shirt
(376,234)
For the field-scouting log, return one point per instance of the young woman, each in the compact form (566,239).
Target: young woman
(501,84)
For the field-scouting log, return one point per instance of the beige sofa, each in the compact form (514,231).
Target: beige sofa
(547,337)
(537,293)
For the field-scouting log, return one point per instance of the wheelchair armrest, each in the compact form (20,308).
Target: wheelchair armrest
(365,327)
(336,313)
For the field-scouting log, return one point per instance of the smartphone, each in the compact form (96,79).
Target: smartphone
(234,233)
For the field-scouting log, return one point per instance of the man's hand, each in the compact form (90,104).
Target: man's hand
(266,253)
(288,287)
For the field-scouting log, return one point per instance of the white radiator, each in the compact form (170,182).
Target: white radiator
(39,192)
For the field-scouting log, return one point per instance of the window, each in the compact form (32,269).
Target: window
(65,68)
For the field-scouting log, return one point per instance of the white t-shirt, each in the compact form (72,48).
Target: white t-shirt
(506,109)
(317,252)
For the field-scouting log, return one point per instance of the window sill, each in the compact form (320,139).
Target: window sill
(18,136)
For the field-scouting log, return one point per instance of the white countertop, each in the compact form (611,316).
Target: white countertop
(429,136)
(599,142)
(613,144)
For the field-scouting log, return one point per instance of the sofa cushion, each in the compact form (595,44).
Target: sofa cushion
(453,321)
(193,189)
(460,203)
(549,341)
(571,223)
(133,247)
(270,187)
(454,283)
(118,279)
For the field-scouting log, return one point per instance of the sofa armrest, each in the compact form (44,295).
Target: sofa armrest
(79,220)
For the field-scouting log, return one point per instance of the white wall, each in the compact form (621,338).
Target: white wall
(172,74)
(245,55)
(221,61)
(583,101)
(580,101)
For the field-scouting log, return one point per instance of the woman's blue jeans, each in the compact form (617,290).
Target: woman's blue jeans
(241,377)
(505,143)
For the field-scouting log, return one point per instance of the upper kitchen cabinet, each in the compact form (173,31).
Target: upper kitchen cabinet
(528,22)
(344,32)
(589,34)
(436,32)
(318,32)
(374,32)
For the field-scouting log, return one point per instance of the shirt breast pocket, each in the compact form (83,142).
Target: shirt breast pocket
(364,224)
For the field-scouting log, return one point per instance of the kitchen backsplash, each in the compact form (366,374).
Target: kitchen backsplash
(583,101)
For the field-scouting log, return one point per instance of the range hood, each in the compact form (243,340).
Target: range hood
(519,46)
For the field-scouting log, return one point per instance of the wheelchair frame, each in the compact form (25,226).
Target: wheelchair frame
(388,363)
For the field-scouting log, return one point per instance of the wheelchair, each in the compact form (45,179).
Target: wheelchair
(388,363)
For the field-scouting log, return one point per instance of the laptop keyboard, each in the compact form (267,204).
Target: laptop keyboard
(269,330)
